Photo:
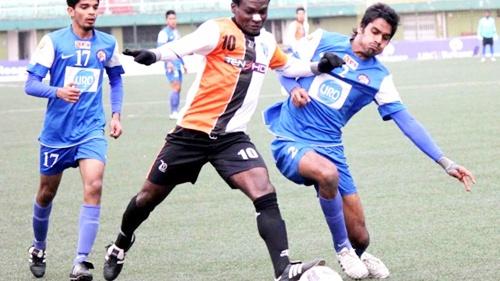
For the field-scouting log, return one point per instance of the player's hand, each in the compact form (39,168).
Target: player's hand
(115,126)
(141,56)
(463,175)
(300,97)
(69,93)
(328,62)
(458,172)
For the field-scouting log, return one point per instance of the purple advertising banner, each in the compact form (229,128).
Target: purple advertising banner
(13,70)
(458,47)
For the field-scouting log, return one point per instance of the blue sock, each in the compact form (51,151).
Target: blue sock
(41,225)
(334,215)
(89,224)
(174,101)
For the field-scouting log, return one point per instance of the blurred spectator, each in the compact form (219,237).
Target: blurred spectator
(296,30)
(487,32)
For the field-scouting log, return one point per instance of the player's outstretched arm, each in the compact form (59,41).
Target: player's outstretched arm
(458,172)
(423,140)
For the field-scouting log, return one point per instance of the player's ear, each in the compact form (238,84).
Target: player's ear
(71,11)
(233,8)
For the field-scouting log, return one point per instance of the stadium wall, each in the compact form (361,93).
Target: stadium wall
(421,20)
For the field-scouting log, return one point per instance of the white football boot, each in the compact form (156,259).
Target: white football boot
(375,266)
(351,264)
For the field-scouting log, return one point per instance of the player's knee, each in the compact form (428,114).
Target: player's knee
(94,187)
(328,181)
(45,195)
(149,197)
(176,86)
(329,177)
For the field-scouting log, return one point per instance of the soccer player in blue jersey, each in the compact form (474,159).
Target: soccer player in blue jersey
(308,145)
(76,58)
(173,68)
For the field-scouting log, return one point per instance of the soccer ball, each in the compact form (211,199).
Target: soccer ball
(320,273)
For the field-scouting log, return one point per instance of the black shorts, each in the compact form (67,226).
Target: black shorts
(186,151)
(487,41)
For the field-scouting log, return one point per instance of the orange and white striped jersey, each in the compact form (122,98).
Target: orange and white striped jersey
(225,93)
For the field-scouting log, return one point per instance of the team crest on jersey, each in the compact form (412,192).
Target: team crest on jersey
(101,55)
(83,44)
(349,61)
(363,79)
(250,44)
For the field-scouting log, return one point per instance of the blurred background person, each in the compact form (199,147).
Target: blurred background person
(487,32)
(173,68)
(296,30)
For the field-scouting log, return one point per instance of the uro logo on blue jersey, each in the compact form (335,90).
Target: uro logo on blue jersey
(84,80)
(329,92)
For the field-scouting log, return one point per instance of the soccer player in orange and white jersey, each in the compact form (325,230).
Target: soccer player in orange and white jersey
(211,127)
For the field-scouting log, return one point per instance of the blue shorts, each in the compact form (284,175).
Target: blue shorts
(54,161)
(287,154)
(174,75)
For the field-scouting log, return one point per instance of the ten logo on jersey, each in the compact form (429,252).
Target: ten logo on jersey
(85,79)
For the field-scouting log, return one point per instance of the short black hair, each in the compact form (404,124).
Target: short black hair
(72,3)
(237,2)
(169,12)
(381,10)
(300,9)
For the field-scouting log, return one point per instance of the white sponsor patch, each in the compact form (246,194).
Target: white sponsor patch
(329,90)
(85,79)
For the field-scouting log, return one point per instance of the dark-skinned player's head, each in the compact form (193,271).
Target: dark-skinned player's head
(250,15)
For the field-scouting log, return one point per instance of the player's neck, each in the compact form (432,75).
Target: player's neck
(82,33)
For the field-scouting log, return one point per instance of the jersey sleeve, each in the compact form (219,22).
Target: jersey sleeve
(388,99)
(162,38)
(279,59)
(113,64)
(307,48)
(202,41)
(43,57)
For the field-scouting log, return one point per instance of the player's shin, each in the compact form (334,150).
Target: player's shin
(133,216)
(334,216)
(88,227)
(40,224)
(272,229)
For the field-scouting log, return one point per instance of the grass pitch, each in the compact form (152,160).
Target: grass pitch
(422,223)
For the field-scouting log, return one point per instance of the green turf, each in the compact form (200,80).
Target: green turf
(422,223)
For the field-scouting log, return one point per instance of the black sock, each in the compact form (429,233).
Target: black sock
(272,229)
(132,218)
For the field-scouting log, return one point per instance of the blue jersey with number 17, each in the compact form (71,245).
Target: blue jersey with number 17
(336,96)
(70,59)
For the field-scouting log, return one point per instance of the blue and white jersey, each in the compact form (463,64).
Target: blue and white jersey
(70,59)
(166,35)
(335,97)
